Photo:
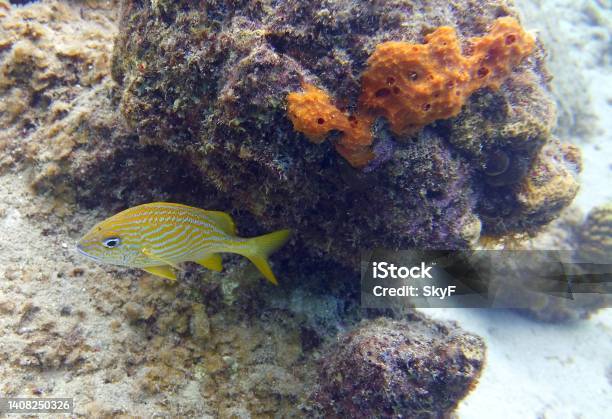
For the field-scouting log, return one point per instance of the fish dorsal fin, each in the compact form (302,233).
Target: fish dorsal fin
(153,256)
(212,262)
(163,271)
(222,221)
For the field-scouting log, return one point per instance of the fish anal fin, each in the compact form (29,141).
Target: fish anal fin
(262,265)
(263,246)
(223,221)
(212,262)
(164,271)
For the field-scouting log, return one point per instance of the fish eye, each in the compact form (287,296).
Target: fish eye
(111,242)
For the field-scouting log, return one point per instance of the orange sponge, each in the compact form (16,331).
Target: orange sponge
(413,85)
(492,57)
(313,114)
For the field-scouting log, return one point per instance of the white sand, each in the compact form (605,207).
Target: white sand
(538,370)
(596,176)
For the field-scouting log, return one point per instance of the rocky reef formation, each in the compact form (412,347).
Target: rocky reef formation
(209,83)
(385,368)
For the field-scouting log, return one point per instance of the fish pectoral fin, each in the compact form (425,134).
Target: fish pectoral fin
(153,256)
(164,271)
(212,262)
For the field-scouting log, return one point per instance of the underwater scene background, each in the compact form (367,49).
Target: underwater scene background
(403,124)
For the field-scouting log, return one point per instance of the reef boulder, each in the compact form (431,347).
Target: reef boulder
(388,368)
(209,82)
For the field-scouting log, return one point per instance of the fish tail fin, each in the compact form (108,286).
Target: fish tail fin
(260,248)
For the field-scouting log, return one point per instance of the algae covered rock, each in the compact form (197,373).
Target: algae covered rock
(387,368)
(60,118)
(595,238)
(208,82)
(54,69)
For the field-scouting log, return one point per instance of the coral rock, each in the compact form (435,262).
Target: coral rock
(49,75)
(386,368)
(531,268)
(595,239)
(551,183)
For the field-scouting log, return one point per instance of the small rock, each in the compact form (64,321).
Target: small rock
(199,325)
(415,368)
(132,311)
(7,307)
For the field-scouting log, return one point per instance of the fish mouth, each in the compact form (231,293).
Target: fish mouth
(84,253)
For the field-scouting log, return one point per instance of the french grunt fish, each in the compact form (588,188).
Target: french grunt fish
(156,237)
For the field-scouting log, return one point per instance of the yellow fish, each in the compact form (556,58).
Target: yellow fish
(158,236)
